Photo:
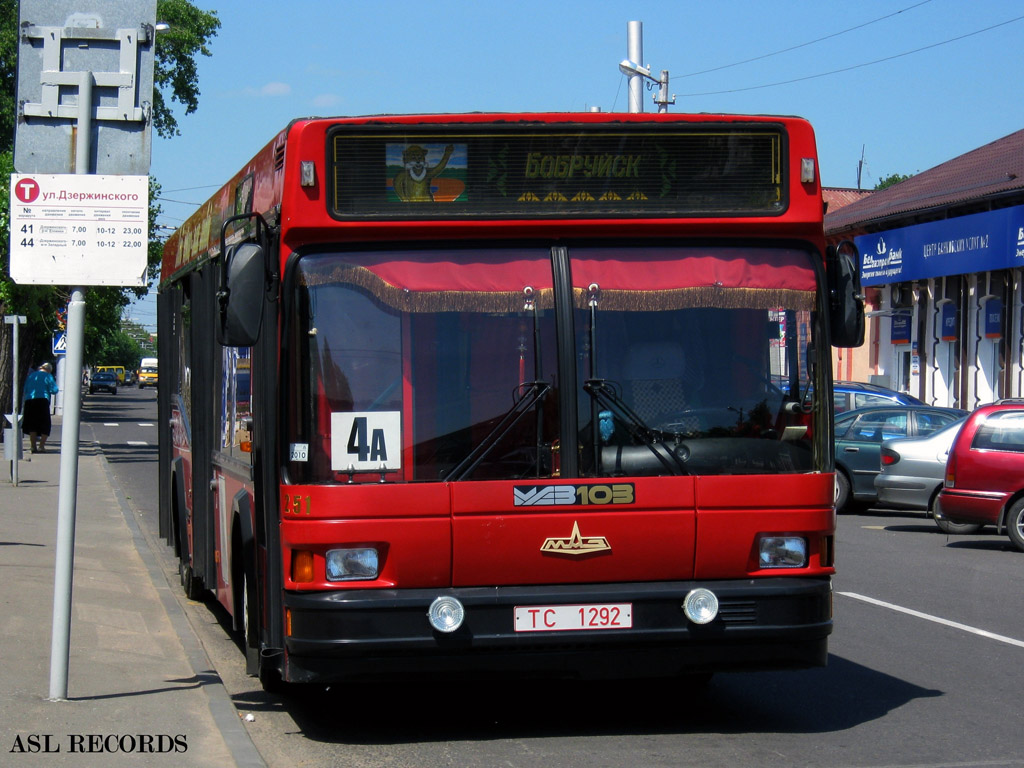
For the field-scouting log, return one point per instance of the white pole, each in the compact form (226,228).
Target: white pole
(60,648)
(635,53)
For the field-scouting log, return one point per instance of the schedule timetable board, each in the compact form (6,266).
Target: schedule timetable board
(79,229)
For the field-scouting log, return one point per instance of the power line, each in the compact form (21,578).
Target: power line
(206,186)
(855,66)
(169,200)
(810,42)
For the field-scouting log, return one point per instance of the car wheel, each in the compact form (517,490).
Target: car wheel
(842,491)
(948,526)
(1015,524)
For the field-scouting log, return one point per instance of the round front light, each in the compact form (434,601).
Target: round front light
(701,606)
(446,614)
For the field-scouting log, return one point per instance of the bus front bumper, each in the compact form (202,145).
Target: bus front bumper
(762,624)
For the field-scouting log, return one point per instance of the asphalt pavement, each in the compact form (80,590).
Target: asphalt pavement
(141,688)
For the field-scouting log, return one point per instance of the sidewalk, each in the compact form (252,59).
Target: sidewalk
(141,690)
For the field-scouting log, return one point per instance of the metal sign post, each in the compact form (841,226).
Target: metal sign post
(15,415)
(92,65)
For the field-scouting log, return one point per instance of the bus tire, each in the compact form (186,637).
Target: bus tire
(270,678)
(250,632)
(190,583)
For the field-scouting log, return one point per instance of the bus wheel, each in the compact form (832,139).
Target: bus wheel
(190,584)
(270,678)
(250,632)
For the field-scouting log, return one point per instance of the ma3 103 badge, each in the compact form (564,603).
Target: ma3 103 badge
(563,495)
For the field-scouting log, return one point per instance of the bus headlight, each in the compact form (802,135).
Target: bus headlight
(446,614)
(783,552)
(700,606)
(352,564)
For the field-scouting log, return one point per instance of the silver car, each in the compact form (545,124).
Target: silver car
(913,469)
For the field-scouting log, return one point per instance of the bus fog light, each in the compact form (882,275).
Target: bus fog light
(446,614)
(701,606)
(352,564)
(783,552)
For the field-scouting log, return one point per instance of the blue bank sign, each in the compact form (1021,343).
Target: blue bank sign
(981,242)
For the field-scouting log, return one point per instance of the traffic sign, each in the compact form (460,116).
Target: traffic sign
(60,343)
(79,229)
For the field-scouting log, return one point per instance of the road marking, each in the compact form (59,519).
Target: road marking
(936,619)
(111,424)
(147,425)
(137,442)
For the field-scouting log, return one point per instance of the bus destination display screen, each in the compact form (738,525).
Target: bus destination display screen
(396,172)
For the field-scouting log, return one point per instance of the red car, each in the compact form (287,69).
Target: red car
(984,482)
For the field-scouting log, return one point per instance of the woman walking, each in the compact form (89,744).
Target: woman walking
(38,388)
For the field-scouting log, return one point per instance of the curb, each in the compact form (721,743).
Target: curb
(223,710)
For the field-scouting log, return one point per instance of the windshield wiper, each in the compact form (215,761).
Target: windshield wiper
(605,396)
(535,393)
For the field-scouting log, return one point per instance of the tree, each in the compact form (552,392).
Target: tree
(890,180)
(176,80)
(119,348)
(175,70)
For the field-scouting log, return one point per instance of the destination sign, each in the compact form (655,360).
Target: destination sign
(705,169)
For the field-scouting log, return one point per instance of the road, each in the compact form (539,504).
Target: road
(925,669)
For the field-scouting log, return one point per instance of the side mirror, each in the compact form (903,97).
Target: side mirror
(846,299)
(241,295)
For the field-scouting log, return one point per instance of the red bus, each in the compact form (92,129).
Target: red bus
(515,393)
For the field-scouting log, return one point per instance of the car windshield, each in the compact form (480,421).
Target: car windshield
(442,365)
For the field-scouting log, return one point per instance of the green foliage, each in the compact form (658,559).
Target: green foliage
(8,71)
(190,32)
(888,181)
(118,348)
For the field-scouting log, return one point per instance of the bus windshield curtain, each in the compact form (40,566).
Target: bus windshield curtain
(651,279)
(630,279)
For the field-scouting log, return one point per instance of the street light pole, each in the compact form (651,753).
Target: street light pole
(632,66)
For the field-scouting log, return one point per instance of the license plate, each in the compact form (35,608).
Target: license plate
(566,618)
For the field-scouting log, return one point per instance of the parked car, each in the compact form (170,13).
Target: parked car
(118,371)
(912,472)
(984,482)
(851,395)
(103,380)
(859,435)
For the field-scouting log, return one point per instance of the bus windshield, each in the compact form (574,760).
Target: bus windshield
(444,364)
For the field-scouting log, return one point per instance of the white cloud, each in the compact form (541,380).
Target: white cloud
(326,100)
(276,89)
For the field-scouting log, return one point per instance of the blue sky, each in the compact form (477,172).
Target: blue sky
(888,78)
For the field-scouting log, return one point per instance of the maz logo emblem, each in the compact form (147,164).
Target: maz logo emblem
(576,544)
